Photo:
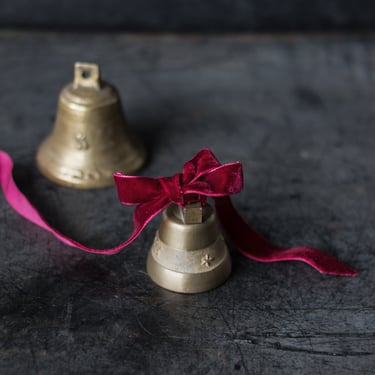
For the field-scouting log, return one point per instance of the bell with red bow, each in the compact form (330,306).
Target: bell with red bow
(189,254)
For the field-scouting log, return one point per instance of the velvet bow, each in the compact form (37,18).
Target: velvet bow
(202,176)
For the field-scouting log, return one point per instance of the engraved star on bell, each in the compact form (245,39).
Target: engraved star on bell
(90,139)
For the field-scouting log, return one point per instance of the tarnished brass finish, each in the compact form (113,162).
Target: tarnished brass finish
(189,254)
(89,140)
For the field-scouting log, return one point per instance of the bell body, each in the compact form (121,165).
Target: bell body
(89,141)
(188,257)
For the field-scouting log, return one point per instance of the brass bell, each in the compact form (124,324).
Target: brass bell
(189,254)
(89,140)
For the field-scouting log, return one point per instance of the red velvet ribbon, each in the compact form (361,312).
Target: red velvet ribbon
(202,176)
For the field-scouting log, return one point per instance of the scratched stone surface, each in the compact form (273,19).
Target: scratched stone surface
(298,112)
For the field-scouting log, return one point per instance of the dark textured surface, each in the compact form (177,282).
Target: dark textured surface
(298,112)
(191,15)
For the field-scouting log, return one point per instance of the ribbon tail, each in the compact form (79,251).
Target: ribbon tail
(254,246)
(143,213)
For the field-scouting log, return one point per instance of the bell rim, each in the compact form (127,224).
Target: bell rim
(189,283)
(131,167)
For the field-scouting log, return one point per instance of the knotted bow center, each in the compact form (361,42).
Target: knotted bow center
(175,190)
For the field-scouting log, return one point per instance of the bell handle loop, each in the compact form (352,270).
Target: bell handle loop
(86,75)
(191,213)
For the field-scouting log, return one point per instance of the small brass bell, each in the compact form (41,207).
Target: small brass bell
(89,140)
(189,254)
